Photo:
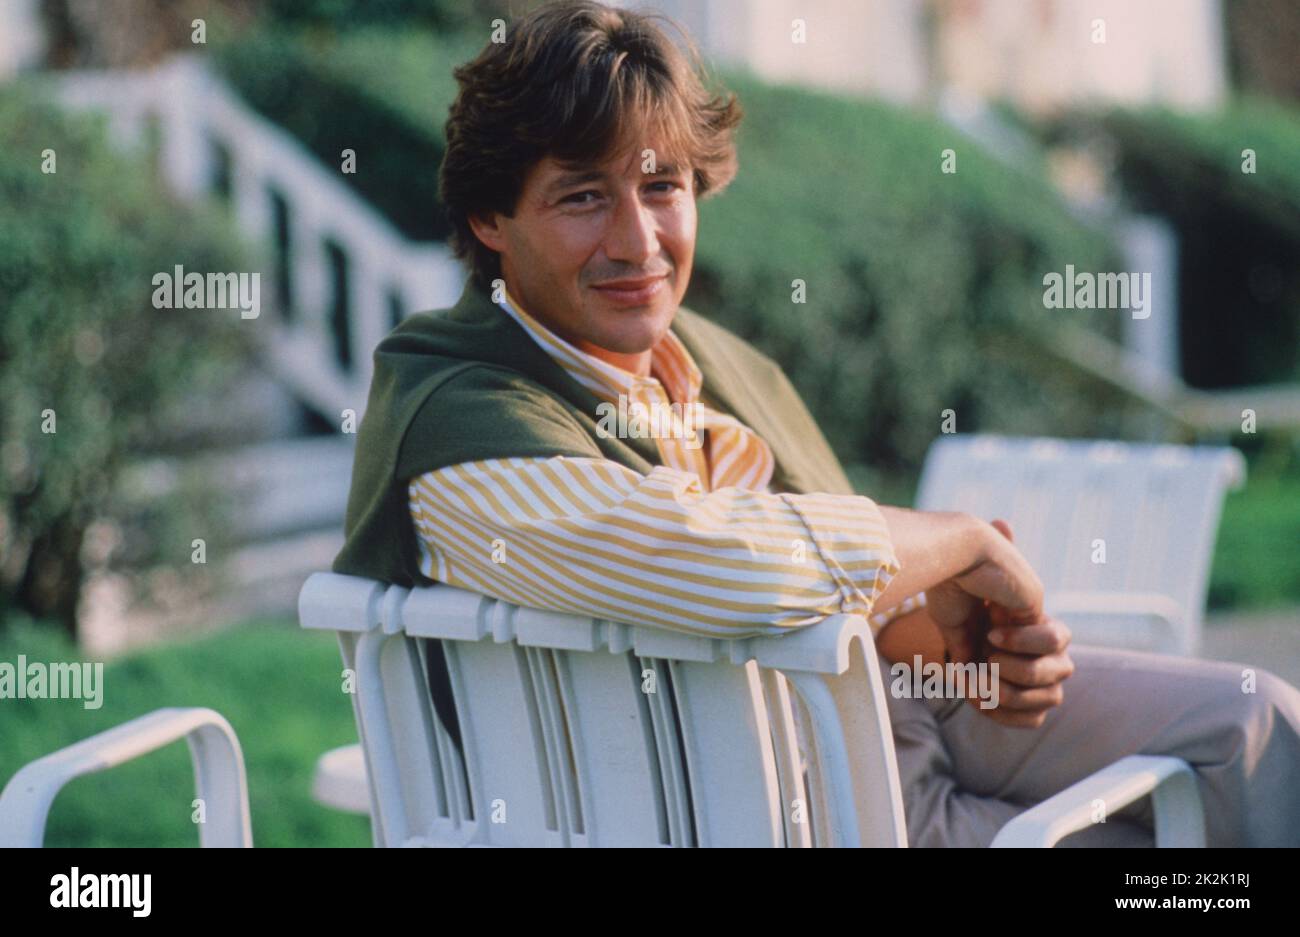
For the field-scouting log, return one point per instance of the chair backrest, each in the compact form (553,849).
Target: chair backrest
(1149,511)
(582,732)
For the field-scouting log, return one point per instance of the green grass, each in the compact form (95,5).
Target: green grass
(279,688)
(1257,554)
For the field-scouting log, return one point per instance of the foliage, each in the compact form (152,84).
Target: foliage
(924,288)
(1229,182)
(430,14)
(384,94)
(83,351)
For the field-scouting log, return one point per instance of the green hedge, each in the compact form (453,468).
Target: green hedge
(1239,232)
(79,336)
(1200,149)
(383,94)
(924,289)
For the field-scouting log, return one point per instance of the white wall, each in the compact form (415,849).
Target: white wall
(22,38)
(866,46)
(1039,53)
(1043,55)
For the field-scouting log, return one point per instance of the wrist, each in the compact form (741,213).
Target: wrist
(980,539)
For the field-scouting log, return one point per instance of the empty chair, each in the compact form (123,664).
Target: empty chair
(1121,534)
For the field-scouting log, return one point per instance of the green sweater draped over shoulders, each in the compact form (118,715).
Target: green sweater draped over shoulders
(468,383)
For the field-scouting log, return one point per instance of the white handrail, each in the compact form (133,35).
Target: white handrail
(194,108)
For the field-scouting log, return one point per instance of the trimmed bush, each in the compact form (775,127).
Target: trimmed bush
(84,352)
(1237,215)
(383,94)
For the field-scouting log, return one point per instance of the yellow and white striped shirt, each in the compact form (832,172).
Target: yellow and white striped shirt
(700,544)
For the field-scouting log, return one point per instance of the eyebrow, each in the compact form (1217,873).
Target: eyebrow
(567,179)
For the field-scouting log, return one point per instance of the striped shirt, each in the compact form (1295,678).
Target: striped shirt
(700,544)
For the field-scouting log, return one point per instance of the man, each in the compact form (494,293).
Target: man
(489,459)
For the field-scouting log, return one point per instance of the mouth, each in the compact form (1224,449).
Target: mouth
(635,292)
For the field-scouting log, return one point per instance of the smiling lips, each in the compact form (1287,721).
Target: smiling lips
(631,292)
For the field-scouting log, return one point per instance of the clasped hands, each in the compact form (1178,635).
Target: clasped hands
(993,613)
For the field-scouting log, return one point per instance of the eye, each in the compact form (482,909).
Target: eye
(576,197)
(668,182)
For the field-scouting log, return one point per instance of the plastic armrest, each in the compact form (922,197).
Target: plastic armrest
(1159,614)
(1171,783)
(834,668)
(218,769)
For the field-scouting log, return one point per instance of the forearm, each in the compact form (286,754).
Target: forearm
(591,537)
(909,635)
(931,547)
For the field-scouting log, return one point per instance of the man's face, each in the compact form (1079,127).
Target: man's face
(578,235)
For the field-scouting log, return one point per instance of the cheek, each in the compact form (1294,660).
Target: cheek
(573,240)
(679,231)
(681,224)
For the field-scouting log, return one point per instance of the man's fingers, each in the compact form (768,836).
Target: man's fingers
(1004,529)
(1050,636)
(1032,698)
(1029,670)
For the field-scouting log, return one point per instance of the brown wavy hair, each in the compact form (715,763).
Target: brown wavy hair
(580,82)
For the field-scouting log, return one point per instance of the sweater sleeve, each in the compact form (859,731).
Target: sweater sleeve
(591,537)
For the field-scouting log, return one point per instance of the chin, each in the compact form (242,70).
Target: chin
(632,342)
(633,331)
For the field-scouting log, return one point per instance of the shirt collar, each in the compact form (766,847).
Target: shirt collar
(677,372)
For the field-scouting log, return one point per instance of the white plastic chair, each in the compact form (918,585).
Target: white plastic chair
(218,769)
(564,744)
(581,732)
(1155,508)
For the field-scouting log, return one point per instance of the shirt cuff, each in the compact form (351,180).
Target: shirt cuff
(909,604)
(862,532)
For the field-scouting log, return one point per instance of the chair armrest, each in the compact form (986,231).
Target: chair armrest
(1115,603)
(1171,782)
(835,670)
(822,648)
(1158,614)
(450,613)
(218,769)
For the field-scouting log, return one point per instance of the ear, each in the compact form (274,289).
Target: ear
(487,228)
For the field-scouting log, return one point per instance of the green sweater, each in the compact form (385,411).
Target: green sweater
(468,383)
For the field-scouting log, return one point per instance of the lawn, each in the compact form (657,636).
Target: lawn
(278,686)
(1257,553)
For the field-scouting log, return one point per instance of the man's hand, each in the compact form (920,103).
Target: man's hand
(1028,647)
(1032,663)
(1000,582)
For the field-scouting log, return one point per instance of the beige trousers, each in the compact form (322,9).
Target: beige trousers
(964,775)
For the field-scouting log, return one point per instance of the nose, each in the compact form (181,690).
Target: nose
(632,236)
